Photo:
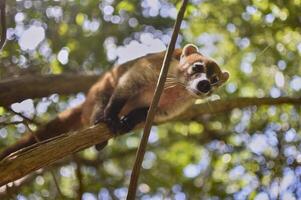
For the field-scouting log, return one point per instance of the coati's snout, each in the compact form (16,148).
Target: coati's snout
(201,74)
(203,86)
(199,84)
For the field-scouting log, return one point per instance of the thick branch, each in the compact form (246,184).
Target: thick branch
(21,88)
(218,106)
(41,155)
(46,152)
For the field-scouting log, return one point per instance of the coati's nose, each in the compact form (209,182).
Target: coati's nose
(204,86)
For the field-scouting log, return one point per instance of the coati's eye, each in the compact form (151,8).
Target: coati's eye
(214,79)
(198,67)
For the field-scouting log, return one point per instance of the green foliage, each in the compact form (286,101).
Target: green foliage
(250,153)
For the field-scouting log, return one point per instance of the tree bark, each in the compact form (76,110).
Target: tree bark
(45,153)
(18,89)
(218,106)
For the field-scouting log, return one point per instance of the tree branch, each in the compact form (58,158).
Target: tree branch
(3,23)
(6,193)
(46,152)
(218,106)
(41,155)
(21,88)
(154,104)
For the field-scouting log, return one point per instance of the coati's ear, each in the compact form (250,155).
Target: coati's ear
(189,49)
(225,76)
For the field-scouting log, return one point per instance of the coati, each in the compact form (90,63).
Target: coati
(122,96)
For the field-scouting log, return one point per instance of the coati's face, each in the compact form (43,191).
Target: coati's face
(200,75)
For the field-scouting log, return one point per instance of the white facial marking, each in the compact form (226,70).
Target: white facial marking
(199,63)
(195,82)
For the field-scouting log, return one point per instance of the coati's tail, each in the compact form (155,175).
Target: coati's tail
(66,121)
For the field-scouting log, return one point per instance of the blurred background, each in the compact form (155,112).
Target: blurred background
(250,153)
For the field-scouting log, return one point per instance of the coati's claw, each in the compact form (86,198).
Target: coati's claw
(97,121)
(99,117)
(114,125)
(126,126)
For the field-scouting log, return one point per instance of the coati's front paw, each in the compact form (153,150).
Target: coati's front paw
(119,126)
(113,124)
(126,124)
(116,125)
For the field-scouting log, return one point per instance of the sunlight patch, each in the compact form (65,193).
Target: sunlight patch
(31,38)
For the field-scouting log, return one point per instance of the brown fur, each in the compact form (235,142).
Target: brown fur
(133,83)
